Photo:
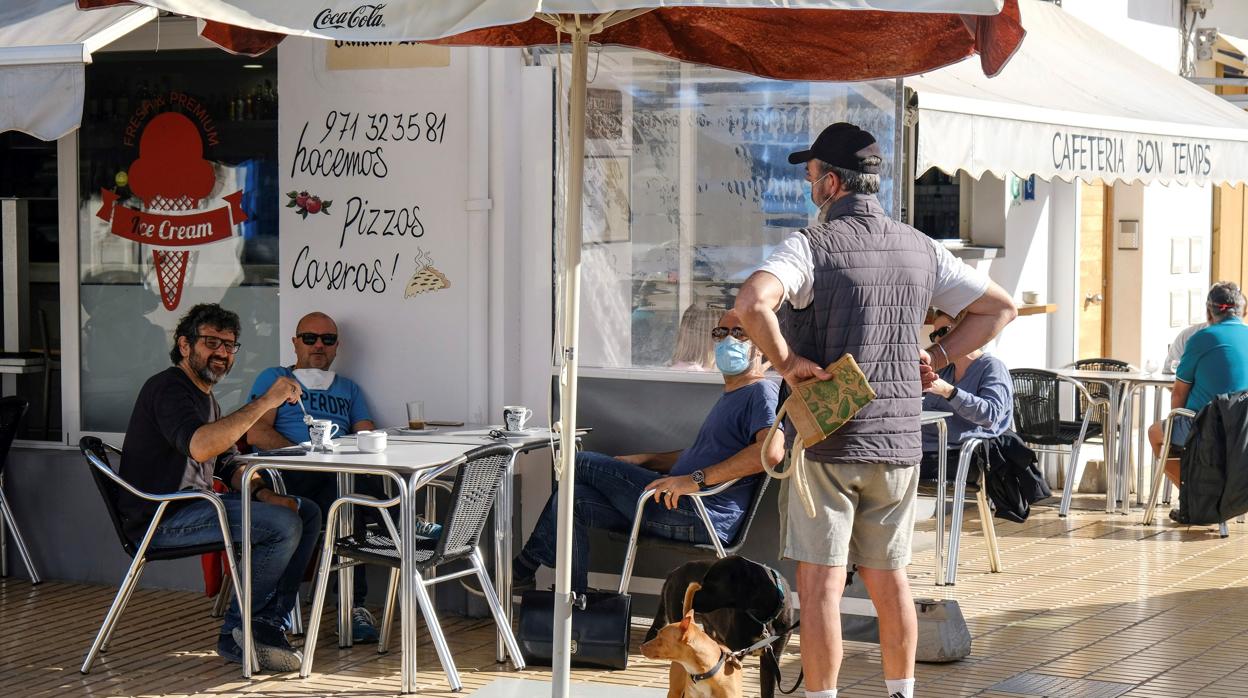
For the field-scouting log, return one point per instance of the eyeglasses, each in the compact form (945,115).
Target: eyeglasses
(329,339)
(737,333)
(939,333)
(215,343)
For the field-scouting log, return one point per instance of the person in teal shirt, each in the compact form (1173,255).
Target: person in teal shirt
(1215,361)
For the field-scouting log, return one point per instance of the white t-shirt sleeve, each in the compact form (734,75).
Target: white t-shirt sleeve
(957,283)
(794,265)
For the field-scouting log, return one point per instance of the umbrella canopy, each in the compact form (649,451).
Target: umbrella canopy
(841,40)
(829,40)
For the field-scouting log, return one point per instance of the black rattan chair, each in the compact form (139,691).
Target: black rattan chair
(716,547)
(111,485)
(480,472)
(12,409)
(1097,390)
(1037,420)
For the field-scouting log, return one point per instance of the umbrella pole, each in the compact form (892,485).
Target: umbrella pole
(561,658)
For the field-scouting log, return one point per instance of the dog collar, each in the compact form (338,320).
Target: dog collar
(775,579)
(723,657)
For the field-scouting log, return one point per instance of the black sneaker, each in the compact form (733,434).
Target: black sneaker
(520,584)
(1176,515)
(273,650)
(228,649)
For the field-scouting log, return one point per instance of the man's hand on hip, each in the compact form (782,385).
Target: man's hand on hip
(798,369)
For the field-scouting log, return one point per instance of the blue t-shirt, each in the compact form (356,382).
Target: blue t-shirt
(342,403)
(982,409)
(729,427)
(1215,361)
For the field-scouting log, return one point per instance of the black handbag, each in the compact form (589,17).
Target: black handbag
(599,632)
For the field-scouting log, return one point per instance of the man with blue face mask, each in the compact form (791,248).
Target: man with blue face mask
(728,446)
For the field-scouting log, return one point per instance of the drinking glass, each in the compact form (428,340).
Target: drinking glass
(1150,366)
(416,414)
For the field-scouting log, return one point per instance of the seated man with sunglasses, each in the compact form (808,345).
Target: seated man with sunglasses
(727,447)
(326,395)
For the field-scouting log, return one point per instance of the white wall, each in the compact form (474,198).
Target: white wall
(1148,27)
(1228,17)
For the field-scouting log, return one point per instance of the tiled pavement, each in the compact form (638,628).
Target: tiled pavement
(1155,612)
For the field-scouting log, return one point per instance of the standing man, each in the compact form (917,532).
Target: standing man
(860,283)
(326,396)
(178,440)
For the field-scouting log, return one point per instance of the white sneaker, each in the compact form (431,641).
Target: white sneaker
(273,659)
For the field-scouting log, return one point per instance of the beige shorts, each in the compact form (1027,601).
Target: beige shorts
(864,514)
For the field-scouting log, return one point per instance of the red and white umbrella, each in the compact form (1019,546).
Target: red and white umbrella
(827,40)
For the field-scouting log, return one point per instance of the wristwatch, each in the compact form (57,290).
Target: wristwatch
(698,477)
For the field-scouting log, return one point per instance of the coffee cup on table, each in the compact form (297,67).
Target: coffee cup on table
(1031,297)
(320,434)
(371,441)
(515,416)
(416,415)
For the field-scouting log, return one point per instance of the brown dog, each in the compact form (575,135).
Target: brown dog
(701,667)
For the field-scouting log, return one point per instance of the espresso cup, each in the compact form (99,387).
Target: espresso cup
(371,441)
(515,416)
(320,432)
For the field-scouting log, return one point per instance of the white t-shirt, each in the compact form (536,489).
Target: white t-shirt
(957,284)
(1175,350)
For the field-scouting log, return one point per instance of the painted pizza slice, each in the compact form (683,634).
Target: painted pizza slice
(425,280)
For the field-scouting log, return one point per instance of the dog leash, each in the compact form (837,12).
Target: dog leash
(769,654)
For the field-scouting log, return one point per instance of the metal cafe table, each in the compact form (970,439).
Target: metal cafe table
(1121,387)
(480,435)
(410,466)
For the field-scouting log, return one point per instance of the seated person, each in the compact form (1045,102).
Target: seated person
(1174,352)
(326,396)
(1214,361)
(727,447)
(177,439)
(977,389)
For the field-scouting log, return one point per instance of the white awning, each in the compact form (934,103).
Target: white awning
(44,45)
(1074,103)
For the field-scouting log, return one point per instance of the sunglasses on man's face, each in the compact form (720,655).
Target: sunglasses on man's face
(939,333)
(737,333)
(329,339)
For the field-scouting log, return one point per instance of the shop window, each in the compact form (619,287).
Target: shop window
(688,189)
(178,167)
(939,209)
(31,317)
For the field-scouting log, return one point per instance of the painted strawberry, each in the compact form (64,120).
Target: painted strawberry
(301,200)
(313,204)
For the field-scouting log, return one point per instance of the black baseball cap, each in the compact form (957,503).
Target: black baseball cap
(843,145)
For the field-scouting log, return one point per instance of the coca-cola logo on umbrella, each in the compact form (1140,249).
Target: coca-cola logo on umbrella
(361,17)
(172,179)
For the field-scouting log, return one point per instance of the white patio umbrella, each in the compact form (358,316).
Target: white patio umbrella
(827,40)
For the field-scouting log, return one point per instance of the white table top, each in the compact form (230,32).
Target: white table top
(930,416)
(405,456)
(478,435)
(1116,376)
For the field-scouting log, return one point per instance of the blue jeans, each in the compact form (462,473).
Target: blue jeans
(606,498)
(282,542)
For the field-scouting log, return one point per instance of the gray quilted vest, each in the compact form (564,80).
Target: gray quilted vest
(872,286)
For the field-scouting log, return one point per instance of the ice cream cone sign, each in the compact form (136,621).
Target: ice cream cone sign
(426,278)
(173,180)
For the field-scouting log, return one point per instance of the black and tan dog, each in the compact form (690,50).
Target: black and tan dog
(739,603)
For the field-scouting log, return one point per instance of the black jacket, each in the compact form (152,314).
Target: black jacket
(1013,482)
(1213,472)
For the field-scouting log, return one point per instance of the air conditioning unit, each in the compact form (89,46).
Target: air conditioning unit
(1199,5)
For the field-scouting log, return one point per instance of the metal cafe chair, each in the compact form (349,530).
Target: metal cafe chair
(480,472)
(12,409)
(1037,420)
(110,485)
(965,457)
(1159,469)
(716,546)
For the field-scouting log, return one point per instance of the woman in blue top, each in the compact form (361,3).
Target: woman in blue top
(978,391)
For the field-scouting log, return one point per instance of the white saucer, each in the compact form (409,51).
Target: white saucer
(307,445)
(517,434)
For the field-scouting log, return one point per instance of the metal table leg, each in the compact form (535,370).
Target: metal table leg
(346,578)
(502,551)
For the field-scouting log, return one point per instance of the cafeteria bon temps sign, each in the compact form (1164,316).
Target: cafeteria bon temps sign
(1128,156)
